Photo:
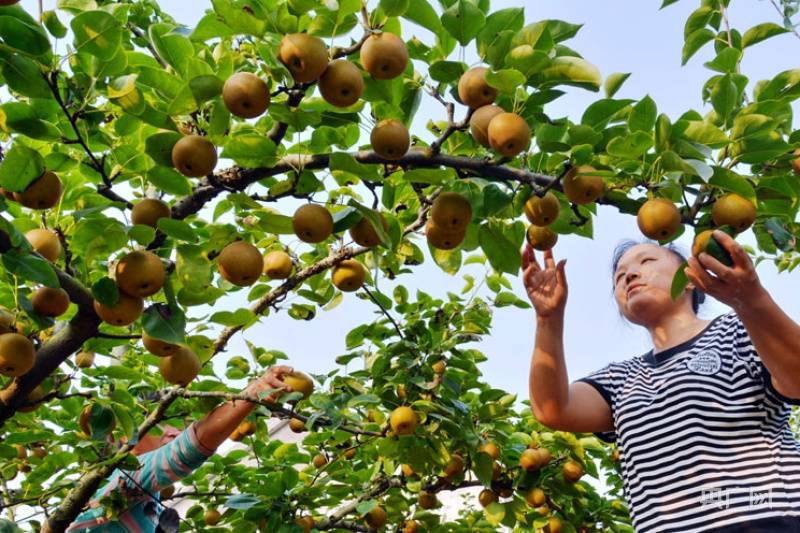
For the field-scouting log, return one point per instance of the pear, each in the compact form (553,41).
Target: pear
(439,367)
(306,523)
(403,420)
(45,242)
(194,156)
(43,193)
(319,461)
(349,275)
(571,471)
(140,273)
(390,139)
(455,467)
(125,312)
(277,265)
(541,238)
(553,525)
(17,354)
(158,347)
(581,186)
(796,162)
(84,359)
(487,497)
(312,223)
(297,425)
(658,219)
(85,418)
(364,234)
(542,211)
(245,95)
(735,211)
(304,55)
(451,212)
(491,449)
(7,320)
(427,500)
(180,368)
(535,497)
(212,517)
(509,134)
(376,518)
(410,526)
(479,123)
(442,239)
(148,210)
(247,428)
(341,84)
(50,302)
(384,55)
(529,460)
(240,263)
(473,90)
(299,382)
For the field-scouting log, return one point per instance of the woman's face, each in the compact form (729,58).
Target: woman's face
(643,282)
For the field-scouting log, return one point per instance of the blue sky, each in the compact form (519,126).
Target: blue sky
(618,36)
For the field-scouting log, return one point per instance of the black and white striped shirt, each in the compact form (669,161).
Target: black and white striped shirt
(703,435)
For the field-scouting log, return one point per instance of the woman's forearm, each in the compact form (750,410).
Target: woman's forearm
(216,426)
(548,384)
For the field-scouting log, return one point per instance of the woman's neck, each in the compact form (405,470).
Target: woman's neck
(672,330)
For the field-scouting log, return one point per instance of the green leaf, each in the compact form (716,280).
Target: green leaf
(174,48)
(97,33)
(575,71)
(374,220)
(394,8)
(631,146)
(105,291)
(22,118)
(506,80)
(250,150)
(614,82)
(703,132)
(24,76)
(643,115)
(695,42)
(509,19)
(276,223)
(169,180)
(20,167)
(165,322)
(20,31)
(503,254)
(177,229)
(159,146)
(30,268)
(205,87)
(761,32)
(724,97)
(240,317)
(598,114)
(446,71)
(463,20)
(421,12)
(53,25)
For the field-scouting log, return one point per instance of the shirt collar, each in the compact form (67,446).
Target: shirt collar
(662,356)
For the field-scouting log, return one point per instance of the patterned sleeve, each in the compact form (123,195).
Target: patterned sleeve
(746,352)
(606,381)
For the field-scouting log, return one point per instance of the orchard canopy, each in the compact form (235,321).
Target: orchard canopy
(131,255)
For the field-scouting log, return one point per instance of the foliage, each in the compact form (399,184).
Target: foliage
(104,116)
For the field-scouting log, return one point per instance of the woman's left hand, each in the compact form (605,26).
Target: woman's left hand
(736,285)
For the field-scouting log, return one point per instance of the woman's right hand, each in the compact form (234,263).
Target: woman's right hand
(546,288)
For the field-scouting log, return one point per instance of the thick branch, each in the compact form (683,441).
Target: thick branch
(379,488)
(76,499)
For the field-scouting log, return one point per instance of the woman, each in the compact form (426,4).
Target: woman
(701,420)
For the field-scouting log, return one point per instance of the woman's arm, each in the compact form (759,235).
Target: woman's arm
(217,425)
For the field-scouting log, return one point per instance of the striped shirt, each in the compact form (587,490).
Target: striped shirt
(159,468)
(703,435)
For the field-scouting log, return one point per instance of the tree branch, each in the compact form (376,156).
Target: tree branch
(379,488)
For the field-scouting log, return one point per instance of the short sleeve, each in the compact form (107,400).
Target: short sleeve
(746,352)
(606,381)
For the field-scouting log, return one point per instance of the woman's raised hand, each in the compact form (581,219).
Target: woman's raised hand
(546,288)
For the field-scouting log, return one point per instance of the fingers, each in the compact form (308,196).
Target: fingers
(698,275)
(709,263)
(281,370)
(561,275)
(527,256)
(738,254)
(549,262)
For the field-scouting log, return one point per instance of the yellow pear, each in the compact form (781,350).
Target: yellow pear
(390,139)
(658,219)
(376,518)
(364,234)
(572,471)
(542,211)
(7,321)
(194,156)
(341,84)
(299,382)
(319,461)
(581,186)
(410,526)
(442,239)
(479,123)
(245,95)
(796,162)
(384,55)
(735,211)
(148,210)
(509,134)
(84,359)
(180,368)
(50,302)
(304,55)
(473,90)
(541,238)
(403,420)
(306,523)
(240,263)
(455,467)
(701,241)
(451,211)
(45,242)
(535,497)
(529,460)
(277,265)
(487,497)
(491,449)
(158,347)
(312,223)
(140,273)
(349,275)
(43,193)
(17,354)
(126,310)
(427,500)
(553,525)
(297,425)
(212,517)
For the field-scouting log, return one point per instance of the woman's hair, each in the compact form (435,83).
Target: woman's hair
(698,296)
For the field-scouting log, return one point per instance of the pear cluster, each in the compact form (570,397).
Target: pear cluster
(451,213)
(541,211)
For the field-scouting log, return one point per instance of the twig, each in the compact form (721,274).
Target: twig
(452,126)
(383,309)
(140,34)
(785,18)
(102,335)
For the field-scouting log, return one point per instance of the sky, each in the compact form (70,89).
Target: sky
(618,36)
